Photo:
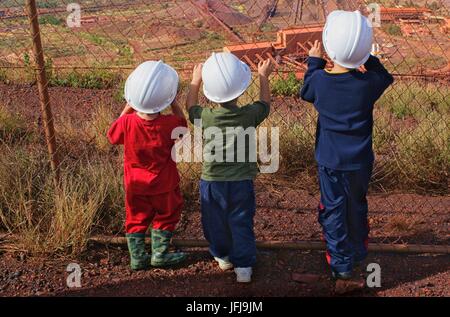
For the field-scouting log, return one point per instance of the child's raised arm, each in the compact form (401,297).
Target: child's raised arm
(176,109)
(192,98)
(381,78)
(265,68)
(315,62)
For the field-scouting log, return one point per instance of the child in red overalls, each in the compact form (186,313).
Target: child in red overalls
(151,177)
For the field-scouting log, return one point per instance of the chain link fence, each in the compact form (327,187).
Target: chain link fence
(90,47)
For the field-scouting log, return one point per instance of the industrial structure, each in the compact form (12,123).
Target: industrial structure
(289,48)
(411,20)
(389,15)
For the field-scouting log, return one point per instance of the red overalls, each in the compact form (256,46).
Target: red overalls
(152,193)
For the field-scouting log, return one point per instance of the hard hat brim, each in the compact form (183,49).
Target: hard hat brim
(352,65)
(154,111)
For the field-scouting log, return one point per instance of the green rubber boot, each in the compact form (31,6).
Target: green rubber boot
(140,260)
(160,250)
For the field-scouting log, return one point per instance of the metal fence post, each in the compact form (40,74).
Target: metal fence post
(42,83)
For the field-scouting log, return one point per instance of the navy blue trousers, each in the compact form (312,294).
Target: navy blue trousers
(228,209)
(343,215)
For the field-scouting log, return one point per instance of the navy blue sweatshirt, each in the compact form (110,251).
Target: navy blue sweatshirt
(345,104)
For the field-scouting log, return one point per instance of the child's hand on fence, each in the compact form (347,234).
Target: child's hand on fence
(265,68)
(316,49)
(197,74)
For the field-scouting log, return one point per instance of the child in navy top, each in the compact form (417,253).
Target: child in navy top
(345,103)
(344,99)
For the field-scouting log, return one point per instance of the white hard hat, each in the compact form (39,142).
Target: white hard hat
(347,38)
(151,87)
(225,77)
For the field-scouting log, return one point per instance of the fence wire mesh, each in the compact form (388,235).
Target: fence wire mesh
(90,47)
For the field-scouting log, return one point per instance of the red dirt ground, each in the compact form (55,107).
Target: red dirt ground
(105,272)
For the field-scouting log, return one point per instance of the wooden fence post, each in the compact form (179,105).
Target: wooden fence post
(42,83)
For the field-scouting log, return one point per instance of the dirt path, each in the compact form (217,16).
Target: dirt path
(105,273)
